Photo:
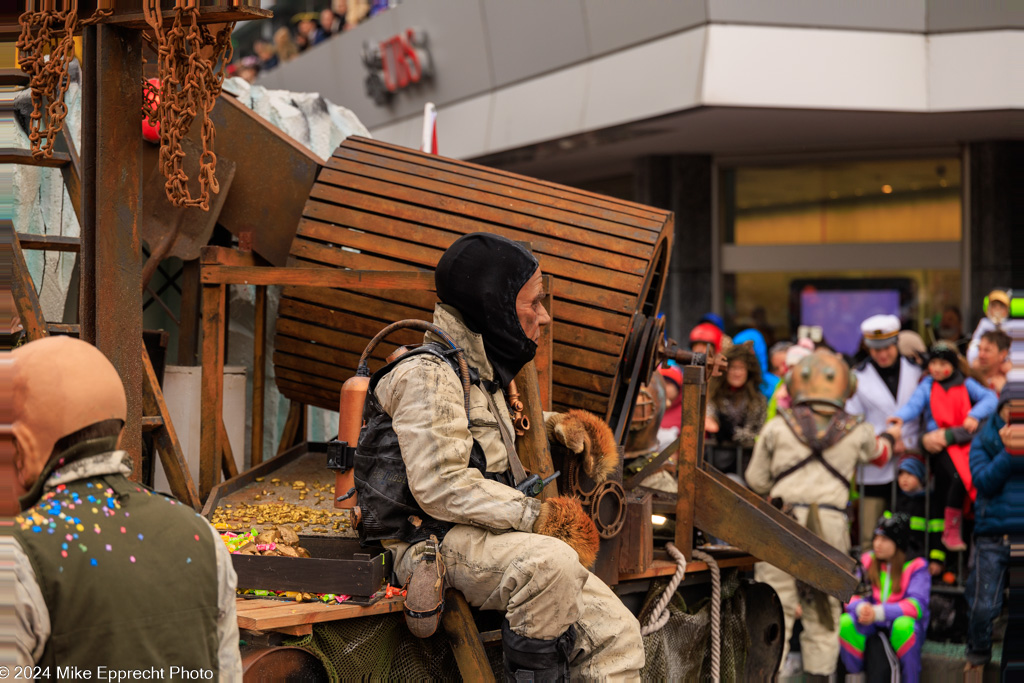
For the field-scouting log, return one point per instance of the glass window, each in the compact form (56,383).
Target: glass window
(777,303)
(910,200)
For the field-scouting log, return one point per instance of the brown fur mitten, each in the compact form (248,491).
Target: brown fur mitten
(589,437)
(563,518)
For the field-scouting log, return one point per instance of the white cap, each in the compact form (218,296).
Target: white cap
(880,331)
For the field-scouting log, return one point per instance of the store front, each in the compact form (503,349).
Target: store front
(827,243)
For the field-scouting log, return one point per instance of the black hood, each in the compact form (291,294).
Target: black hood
(480,275)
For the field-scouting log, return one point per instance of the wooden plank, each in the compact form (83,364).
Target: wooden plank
(217,14)
(585,360)
(532,446)
(188,331)
(13,77)
(17,155)
(729,511)
(212,406)
(294,614)
(579,399)
(588,381)
(371,308)
(259,375)
(333,338)
(309,380)
(474,204)
(347,158)
(24,290)
(228,256)
(50,242)
(316,277)
(545,347)
(469,653)
(303,394)
(587,339)
(661,568)
(179,478)
(691,436)
(291,427)
(228,465)
(324,221)
(344,321)
(317,352)
(508,177)
(72,171)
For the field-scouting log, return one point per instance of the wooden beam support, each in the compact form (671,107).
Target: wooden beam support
(112,196)
(166,439)
(291,426)
(690,447)
(259,375)
(317,277)
(533,447)
(545,348)
(469,653)
(212,403)
(189,314)
(26,301)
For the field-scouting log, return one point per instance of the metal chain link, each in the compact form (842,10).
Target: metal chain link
(189,86)
(48,32)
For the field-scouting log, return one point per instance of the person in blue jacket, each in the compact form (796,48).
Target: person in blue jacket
(768,380)
(953,406)
(999,513)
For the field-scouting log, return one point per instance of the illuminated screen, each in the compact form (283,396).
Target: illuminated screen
(839,312)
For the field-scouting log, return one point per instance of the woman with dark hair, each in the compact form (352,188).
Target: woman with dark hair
(736,408)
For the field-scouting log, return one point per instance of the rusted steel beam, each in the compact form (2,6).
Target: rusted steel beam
(731,512)
(215,14)
(111,263)
(691,444)
(259,375)
(212,401)
(317,277)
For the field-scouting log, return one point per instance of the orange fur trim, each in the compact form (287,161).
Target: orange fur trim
(563,518)
(601,456)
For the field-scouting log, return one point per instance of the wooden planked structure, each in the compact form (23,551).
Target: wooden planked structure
(382,207)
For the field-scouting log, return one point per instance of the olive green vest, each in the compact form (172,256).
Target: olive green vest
(129,577)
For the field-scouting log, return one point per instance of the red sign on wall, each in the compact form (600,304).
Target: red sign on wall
(396,63)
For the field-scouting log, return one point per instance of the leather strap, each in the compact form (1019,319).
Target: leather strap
(514,463)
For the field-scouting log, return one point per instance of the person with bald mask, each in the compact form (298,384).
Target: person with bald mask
(108,573)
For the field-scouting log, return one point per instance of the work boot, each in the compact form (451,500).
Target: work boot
(532,659)
(951,537)
(424,600)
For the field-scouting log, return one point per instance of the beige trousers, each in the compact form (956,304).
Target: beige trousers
(819,646)
(540,584)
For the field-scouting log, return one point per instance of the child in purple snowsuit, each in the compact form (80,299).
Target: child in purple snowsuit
(898,604)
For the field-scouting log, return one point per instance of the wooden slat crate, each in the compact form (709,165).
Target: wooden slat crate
(377,206)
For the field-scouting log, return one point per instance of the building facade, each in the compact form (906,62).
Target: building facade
(823,157)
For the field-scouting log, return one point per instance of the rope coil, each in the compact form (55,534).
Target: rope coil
(660,614)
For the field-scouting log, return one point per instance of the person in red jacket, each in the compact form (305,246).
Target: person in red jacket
(897,605)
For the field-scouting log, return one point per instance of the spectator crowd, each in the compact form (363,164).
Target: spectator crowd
(897,455)
(309,29)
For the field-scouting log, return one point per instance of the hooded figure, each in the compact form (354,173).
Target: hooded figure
(480,276)
(768,380)
(437,485)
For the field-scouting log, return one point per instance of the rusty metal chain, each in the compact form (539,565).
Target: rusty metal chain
(46,47)
(190,81)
